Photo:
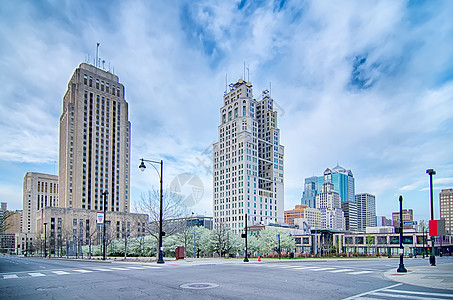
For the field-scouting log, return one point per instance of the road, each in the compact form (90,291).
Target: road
(38,278)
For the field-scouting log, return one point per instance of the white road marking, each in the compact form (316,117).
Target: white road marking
(36,274)
(60,272)
(373,291)
(387,294)
(103,270)
(136,268)
(360,272)
(10,276)
(422,293)
(121,269)
(304,268)
(341,270)
(321,269)
(82,271)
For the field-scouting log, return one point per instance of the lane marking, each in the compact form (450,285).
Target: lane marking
(360,272)
(120,269)
(321,269)
(36,274)
(10,276)
(82,271)
(399,296)
(60,272)
(304,268)
(422,293)
(103,270)
(373,291)
(136,268)
(341,270)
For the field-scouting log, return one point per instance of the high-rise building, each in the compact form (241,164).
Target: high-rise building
(94,144)
(343,182)
(297,212)
(39,191)
(350,215)
(310,191)
(366,211)
(446,208)
(247,160)
(328,202)
(408,216)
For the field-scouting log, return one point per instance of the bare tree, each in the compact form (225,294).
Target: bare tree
(173,211)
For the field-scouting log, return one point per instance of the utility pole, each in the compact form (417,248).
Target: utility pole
(104,240)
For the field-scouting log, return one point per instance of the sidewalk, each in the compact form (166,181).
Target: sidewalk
(440,276)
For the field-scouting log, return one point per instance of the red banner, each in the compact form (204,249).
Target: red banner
(432,227)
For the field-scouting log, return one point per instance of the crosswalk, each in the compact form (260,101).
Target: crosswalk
(74,271)
(333,269)
(396,292)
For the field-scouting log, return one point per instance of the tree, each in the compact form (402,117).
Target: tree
(173,211)
(268,240)
(223,241)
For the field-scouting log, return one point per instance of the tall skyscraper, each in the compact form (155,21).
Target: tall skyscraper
(39,191)
(343,182)
(366,211)
(328,202)
(247,161)
(446,208)
(310,191)
(94,142)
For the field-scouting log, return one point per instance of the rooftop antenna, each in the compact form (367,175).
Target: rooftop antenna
(226,82)
(97,54)
(243,74)
(103,64)
(270,89)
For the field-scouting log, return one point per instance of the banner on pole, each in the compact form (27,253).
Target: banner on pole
(100,218)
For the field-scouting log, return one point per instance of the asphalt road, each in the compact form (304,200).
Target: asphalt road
(38,278)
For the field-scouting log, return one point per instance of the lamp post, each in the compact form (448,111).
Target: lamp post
(431,172)
(194,251)
(45,239)
(246,259)
(279,253)
(423,241)
(142,167)
(401,267)
(104,240)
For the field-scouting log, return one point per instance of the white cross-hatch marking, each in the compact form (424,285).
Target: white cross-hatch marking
(10,276)
(321,269)
(82,271)
(341,270)
(36,274)
(60,272)
(360,272)
(387,294)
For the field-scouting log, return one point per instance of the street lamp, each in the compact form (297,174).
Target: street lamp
(104,240)
(45,239)
(278,238)
(431,172)
(142,167)
(193,232)
(401,267)
(246,259)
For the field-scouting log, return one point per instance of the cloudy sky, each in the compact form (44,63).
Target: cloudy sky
(366,84)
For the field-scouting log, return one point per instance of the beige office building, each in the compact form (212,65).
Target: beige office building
(39,191)
(248,161)
(94,142)
(446,208)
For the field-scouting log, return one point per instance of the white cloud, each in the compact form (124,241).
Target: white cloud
(388,122)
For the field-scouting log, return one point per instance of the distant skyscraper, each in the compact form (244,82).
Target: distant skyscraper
(343,181)
(408,215)
(366,211)
(310,191)
(248,161)
(446,208)
(39,191)
(350,215)
(328,202)
(94,142)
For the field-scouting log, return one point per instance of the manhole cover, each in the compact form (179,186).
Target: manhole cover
(198,286)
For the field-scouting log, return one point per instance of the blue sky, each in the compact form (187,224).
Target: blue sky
(367,84)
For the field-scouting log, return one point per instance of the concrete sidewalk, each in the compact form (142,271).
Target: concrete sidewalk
(440,276)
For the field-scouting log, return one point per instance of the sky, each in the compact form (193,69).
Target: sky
(364,84)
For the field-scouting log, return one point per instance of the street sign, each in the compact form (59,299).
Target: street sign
(100,218)
(42,236)
(409,223)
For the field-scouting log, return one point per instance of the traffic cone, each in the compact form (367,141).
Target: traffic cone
(259,257)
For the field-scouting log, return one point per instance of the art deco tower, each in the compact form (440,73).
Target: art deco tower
(248,161)
(94,142)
